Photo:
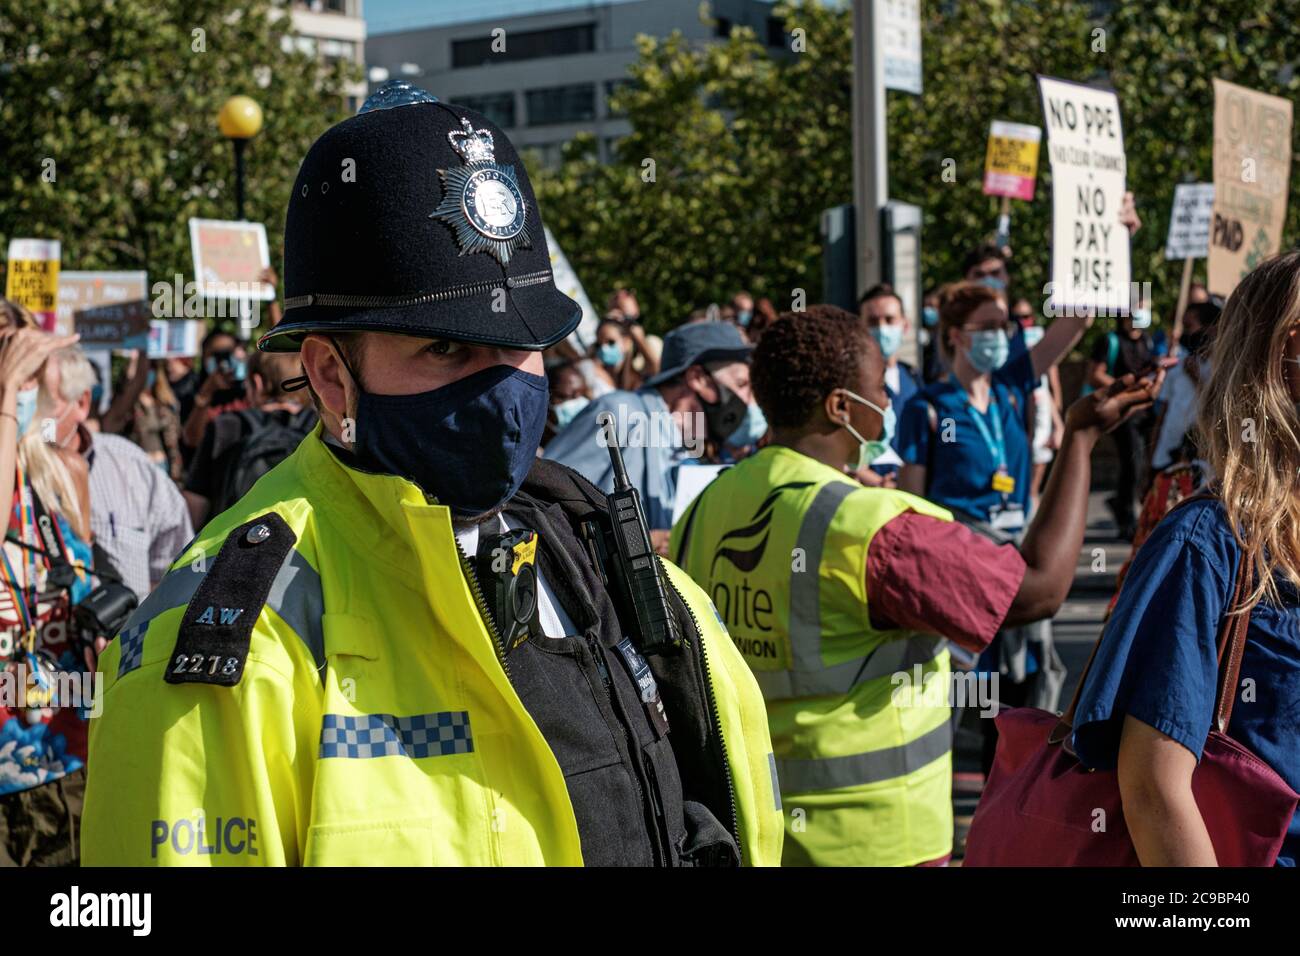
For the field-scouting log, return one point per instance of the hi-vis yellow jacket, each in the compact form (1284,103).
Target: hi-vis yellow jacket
(370,720)
(859,716)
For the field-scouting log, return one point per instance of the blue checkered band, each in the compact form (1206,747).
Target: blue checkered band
(383,735)
(132,642)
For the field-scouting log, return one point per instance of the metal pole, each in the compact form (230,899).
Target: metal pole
(870,169)
(239,177)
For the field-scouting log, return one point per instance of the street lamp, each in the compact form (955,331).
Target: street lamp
(240,120)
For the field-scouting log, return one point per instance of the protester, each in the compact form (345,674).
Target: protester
(155,425)
(1149,700)
(1126,350)
(42,741)
(570,394)
(620,343)
(932,366)
(702,394)
(137,515)
(764,315)
(221,386)
(1048,425)
(834,593)
(742,308)
(1176,412)
(241,446)
(882,310)
(965,443)
(504,729)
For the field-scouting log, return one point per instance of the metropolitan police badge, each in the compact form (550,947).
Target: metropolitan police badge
(481,202)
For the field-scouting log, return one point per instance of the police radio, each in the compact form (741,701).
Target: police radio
(629,563)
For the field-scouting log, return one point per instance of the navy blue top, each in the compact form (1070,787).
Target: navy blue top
(909,383)
(1158,660)
(960,470)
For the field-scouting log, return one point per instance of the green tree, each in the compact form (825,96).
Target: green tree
(122,96)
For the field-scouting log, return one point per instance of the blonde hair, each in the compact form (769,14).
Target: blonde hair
(1250,425)
(42,462)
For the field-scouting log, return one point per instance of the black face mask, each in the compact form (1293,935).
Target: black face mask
(725,415)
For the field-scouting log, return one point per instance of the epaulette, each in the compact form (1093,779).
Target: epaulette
(216,630)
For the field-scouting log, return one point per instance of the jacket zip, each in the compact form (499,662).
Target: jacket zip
(639,761)
(497,643)
(733,823)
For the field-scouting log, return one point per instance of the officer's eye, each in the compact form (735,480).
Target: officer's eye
(443,347)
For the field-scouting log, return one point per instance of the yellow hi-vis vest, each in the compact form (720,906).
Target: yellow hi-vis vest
(859,716)
(373,722)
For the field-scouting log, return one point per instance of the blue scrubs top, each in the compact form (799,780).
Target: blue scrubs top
(909,383)
(960,471)
(1158,661)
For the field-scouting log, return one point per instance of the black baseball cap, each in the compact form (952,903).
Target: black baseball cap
(417,217)
(696,343)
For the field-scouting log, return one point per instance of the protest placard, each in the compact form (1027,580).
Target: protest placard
(229,257)
(1189,222)
(1252,173)
(1011,163)
(175,338)
(32,277)
(122,325)
(1090,247)
(566,280)
(86,290)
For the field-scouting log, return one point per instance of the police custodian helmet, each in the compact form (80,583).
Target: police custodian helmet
(416,217)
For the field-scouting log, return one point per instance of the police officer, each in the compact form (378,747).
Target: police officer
(403,646)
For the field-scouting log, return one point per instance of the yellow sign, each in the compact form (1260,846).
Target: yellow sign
(1011,164)
(32,277)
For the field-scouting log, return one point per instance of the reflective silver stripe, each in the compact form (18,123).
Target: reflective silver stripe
(805,601)
(889,658)
(297,597)
(832,773)
(776,782)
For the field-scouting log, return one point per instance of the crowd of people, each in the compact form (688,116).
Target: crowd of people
(405,550)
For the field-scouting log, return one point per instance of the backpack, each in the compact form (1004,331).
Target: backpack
(267,441)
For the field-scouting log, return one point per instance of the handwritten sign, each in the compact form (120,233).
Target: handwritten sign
(229,257)
(1090,248)
(123,325)
(1189,223)
(1252,173)
(1011,163)
(32,277)
(86,290)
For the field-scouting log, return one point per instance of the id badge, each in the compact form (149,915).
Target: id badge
(1010,518)
(1003,482)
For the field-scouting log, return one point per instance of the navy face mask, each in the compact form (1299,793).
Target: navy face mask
(469,444)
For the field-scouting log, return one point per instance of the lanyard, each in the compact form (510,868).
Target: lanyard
(996,445)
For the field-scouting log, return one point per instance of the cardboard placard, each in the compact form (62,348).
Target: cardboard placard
(86,290)
(1189,222)
(1091,269)
(229,256)
(566,280)
(32,277)
(175,338)
(123,325)
(1252,173)
(1011,163)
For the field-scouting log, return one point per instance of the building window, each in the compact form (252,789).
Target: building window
(560,41)
(775,31)
(331,50)
(562,104)
(498,107)
(722,27)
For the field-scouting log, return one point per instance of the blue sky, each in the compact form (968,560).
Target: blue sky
(385,16)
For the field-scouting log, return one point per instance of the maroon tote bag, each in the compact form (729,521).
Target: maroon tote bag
(1041,807)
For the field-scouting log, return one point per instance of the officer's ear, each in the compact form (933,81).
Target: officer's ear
(329,379)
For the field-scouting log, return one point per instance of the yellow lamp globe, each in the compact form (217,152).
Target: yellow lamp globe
(240,118)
